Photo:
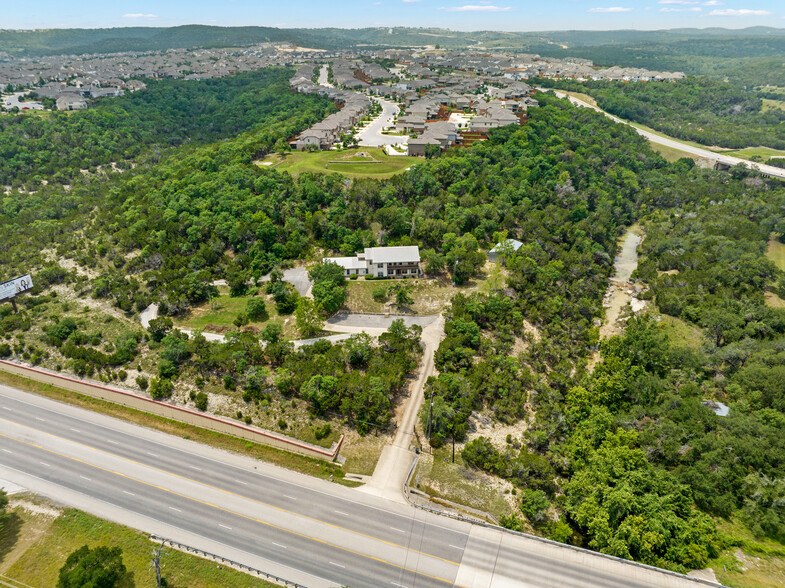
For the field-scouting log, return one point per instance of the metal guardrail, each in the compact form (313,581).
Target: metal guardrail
(226,560)
(458,517)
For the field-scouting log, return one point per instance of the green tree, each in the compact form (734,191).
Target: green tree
(256,309)
(308,317)
(329,286)
(159,327)
(100,567)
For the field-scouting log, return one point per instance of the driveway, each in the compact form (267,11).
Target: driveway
(297,277)
(371,136)
(375,321)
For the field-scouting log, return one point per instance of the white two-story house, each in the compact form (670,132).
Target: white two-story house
(382,262)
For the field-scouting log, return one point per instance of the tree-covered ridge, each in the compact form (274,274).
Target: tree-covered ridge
(694,109)
(641,461)
(168,113)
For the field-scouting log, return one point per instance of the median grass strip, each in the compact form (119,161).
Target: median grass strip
(40,563)
(292,461)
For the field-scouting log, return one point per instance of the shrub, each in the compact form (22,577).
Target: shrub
(161,388)
(380,294)
(323,431)
(282,424)
(200,400)
(5,350)
(142,382)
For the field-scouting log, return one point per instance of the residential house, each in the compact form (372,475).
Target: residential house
(382,262)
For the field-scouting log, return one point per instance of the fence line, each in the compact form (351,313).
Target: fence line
(226,560)
(171,411)
(543,539)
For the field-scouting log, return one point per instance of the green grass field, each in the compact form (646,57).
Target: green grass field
(681,333)
(670,153)
(223,309)
(776,253)
(772,104)
(764,152)
(298,162)
(40,563)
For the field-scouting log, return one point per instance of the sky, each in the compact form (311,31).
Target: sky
(465,15)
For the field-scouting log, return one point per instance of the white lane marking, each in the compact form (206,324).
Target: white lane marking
(340,512)
(86,478)
(399,585)
(456,547)
(40,419)
(75,430)
(266,476)
(7,450)
(44,464)
(279,545)
(129,493)
(177,509)
(332,563)
(224,526)
(399,530)
(6,408)
(195,468)
(151,454)
(290,497)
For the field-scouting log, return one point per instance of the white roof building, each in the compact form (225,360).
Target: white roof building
(382,262)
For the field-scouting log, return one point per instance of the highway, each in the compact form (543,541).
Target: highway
(768,170)
(307,530)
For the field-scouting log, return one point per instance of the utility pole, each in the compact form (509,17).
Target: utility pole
(156,562)
(454,269)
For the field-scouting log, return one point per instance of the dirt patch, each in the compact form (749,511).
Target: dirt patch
(39,509)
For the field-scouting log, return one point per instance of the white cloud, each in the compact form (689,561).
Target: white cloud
(611,9)
(478,8)
(139,15)
(409,1)
(739,12)
(687,9)
(681,2)
(713,3)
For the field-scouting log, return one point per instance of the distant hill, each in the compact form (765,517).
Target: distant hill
(80,41)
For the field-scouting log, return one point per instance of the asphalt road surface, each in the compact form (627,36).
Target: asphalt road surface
(371,136)
(306,530)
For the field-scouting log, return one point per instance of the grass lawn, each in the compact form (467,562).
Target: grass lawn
(772,104)
(776,253)
(756,563)
(298,162)
(581,96)
(223,309)
(438,477)
(430,295)
(40,563)
(749,152)
(680,333)
(670,153)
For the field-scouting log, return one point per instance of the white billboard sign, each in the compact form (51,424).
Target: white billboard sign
(16,286)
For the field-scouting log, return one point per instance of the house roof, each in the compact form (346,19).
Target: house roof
(346,262)
(400,254)
(514,242)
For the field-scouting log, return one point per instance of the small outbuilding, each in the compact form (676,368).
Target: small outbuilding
(505,247)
